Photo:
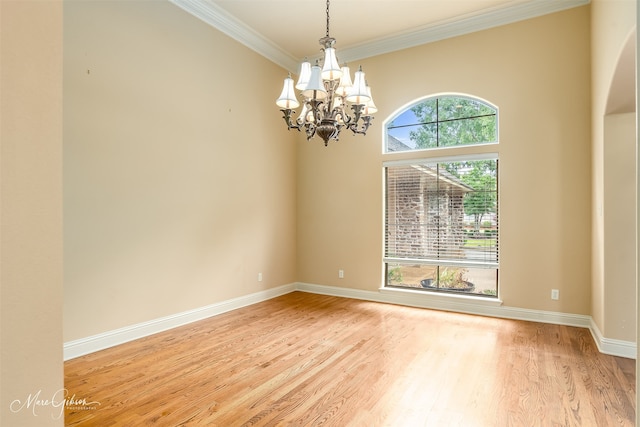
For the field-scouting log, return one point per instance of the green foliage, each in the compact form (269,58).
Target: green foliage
(394,275)
(479,243)
(451,120)
(482,177)
(452,277)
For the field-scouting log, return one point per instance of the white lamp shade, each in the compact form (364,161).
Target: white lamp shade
(345,82)
(330,69)
(315,88)
(287,99)
(370,107)
(358,93)
(305,74)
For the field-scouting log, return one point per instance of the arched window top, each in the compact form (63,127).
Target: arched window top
(442,121)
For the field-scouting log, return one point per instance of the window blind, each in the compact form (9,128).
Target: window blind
(443,213)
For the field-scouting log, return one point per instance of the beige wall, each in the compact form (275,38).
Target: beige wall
(179,176)
(31,215)
(619,226)
(612,23)
(541,85)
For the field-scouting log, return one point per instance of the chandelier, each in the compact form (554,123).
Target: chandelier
(326,91)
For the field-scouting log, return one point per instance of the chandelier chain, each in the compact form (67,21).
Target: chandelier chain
(327,18)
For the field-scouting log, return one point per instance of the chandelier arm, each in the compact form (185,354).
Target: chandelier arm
(366,120)
(316,110)
(357,112)
(286,115)
(346,118)
(310,129)
(331,111)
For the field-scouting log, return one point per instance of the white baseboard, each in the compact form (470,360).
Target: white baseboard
(80,347)
(461,304)
(611,346)
(458,303)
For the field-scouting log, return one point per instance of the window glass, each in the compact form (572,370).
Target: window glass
(443,121)
(441,217)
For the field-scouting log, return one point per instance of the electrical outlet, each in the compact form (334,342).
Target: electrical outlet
(555,294)
(259,277)
(340,274)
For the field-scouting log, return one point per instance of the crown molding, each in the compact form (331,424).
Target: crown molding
(212,14)
(223,21)
(459,26)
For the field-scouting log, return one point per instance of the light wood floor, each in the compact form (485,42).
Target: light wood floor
(311,360)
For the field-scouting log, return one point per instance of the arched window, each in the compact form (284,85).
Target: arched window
(441,213)
(442,121)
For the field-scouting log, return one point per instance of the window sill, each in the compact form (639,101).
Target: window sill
(431,298)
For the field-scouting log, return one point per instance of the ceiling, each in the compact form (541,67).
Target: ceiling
(286,31)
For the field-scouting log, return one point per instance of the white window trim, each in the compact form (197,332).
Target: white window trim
(445,159)
(430,155)
(428,298)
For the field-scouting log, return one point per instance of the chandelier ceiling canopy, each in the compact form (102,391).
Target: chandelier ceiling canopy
(326,90)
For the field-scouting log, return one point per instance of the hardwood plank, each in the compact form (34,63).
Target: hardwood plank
(305,359)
